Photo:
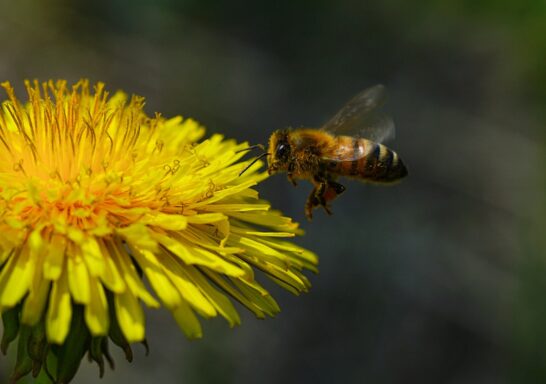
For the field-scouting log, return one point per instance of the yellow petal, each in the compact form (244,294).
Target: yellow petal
(224,229)
(206,218)
(96,312)
(193,254)
(138,235)
(158,279)
(75,235)
(5,254)
(187,321)
(237,295)
(54,257)
(92,255)
(130,316)
(59,312)
(35,242)
(207,204)
(264,234)
(219,300)
(287,283)
(207,240)
(258,296)
(267,219)
(130,275)
(178,275)
(291,247)
(297,256)
(259,250)
(102,227)
(111,277)
(235,207)
(165,221)
(283,276)
(34,304)
(16,278)
(78,280)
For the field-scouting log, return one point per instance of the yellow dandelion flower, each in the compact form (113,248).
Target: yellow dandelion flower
(96,198)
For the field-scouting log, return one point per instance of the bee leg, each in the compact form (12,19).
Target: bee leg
(323,196)
(333,190)
(327,192)
(292,180)
(317,198)
(291,168)
(312,202)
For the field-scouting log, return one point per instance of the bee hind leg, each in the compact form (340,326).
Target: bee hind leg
(328,192)
(332,190)
(321,196)
(312,202)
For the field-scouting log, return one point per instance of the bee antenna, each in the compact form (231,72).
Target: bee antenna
(253,161)
(260,146)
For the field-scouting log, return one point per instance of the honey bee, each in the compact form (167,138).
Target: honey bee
(349,145)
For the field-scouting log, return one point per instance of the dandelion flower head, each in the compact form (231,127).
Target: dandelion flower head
(103,208)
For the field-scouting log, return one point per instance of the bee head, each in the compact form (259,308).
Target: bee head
(279,151)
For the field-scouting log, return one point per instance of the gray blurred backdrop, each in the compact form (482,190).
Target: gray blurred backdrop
(440,279)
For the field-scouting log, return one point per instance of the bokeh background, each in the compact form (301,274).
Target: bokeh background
(440,279)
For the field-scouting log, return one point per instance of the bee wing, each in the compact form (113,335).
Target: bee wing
(360,117)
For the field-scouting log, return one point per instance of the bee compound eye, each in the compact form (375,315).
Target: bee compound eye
(282,151)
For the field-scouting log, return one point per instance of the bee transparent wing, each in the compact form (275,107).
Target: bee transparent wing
(360,117)
(376,126)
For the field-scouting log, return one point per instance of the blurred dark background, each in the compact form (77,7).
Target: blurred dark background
(441,279)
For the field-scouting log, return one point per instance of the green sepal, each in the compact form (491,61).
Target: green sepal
(106,352)
(10,319)
(95,352)
(37,347)
(23,365)
(70,354)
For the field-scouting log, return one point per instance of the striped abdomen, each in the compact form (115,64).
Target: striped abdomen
(365,159)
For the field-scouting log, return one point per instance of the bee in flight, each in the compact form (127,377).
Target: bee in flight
(348,145)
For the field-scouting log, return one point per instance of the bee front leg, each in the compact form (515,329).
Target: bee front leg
(292,180)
